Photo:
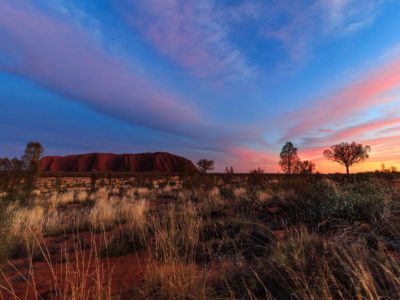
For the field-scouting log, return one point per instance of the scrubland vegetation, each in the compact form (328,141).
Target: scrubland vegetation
(203,237)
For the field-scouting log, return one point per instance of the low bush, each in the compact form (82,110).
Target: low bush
(5,238)
(364,200)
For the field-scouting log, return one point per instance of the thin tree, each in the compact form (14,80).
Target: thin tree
(289,158)
(33,154)
(229,174)
(205,165)
(348,154)
(31,165)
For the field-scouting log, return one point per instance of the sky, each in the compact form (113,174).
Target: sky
(228,80)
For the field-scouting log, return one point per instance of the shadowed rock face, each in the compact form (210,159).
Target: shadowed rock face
(159,162)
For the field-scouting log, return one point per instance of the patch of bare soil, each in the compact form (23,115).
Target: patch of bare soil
(69,258)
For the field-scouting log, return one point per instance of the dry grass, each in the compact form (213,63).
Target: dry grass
(175,281)
(216,242)
(106,213)
(26,221)
(82,276)
(175,233)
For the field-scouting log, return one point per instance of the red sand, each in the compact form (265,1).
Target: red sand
(125,272)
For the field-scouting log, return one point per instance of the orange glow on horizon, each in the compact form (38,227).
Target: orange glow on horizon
(385,150)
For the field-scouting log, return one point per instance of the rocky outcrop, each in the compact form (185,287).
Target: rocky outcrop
(158,162)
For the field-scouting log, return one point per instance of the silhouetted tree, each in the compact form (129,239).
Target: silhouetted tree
(205,165)
(391,169)
(12,179)
(228,174)
(289,158)
(347,154)
(31,165)
(257,171)
(33,154)
(305,167)
(5,164)
(229,170)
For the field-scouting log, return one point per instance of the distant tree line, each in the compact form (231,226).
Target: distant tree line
(345,154)
(30,161)
(22,172)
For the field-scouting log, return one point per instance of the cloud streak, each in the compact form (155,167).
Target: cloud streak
(348,102)
(356,132)
(309,21)
(63,57)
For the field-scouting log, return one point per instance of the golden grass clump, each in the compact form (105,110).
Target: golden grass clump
(65,197)
(81,195)
(263,196)
(176,233)
(175,281)
(104,214)
(26,221)
(214,195)
(239,193)
(108,212)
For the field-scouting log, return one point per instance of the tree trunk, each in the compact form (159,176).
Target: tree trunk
(348,173)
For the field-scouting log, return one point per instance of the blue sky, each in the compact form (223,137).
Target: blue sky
(225,80)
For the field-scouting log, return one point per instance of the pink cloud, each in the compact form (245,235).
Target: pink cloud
(368,127)
(61,56)
(348,102)
(356,132)
(246,158)
(252,155)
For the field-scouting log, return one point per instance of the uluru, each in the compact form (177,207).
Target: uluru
(158,162)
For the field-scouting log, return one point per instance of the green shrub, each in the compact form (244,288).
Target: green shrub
(363,200)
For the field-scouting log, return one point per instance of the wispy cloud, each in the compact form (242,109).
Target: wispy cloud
(306,22)
(189,33)
(198,35)
(347,16)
